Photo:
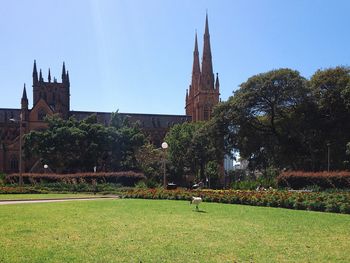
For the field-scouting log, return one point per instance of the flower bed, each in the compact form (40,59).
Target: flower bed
(315,201)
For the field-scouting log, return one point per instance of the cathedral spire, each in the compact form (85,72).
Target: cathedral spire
(24,100)
(217,84)
(207,76)
(67,77)
(35,73)
(196,71)
(49,76)
(196,68)
(24,94)
(63,72)
(41,76)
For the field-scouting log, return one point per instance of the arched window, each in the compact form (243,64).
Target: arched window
(14,163)
(41,114)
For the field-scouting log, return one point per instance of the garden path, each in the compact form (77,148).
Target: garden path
(26,201)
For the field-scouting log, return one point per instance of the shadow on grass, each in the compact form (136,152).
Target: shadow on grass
(199,211)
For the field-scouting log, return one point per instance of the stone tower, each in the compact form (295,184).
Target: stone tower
(203,93)
(55,94)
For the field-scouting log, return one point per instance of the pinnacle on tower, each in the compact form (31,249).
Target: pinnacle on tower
(217,84)
(24,94)
(49,76)
(24,100)
(41,76)
(67,77)
(35,73)
(63,72)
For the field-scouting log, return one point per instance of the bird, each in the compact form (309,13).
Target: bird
(196,201)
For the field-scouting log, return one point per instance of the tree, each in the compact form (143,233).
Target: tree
(331,91)
(150,160)
(190,148)
(261,119)
(71,145)
(127,138)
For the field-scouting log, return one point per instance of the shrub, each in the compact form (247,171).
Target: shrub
(319,180)
(329,202)
(2,178)
(127,178)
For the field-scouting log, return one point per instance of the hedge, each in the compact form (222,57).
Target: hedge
(316,201)
(127,178)
(325,180)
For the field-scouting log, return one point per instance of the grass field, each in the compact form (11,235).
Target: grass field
(42,196)
(127,230)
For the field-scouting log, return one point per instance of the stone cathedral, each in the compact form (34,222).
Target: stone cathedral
(53,97)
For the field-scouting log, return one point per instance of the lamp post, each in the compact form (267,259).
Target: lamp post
(20,179)
(164,147)
(45,167)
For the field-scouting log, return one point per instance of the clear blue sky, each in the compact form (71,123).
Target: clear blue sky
(136,55)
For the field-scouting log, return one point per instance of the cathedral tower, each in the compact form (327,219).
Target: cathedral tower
(203,93)
(55,94)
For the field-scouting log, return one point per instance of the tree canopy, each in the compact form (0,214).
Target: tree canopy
(281,119)
(71,145)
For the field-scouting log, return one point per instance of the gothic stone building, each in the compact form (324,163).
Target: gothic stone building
(53,97)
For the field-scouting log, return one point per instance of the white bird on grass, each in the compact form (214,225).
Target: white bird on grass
(196,201)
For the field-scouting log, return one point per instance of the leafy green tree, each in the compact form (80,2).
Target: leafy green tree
(126,139)
(71,145)
(261,120)
(150,160)
(190,148)
(331,92)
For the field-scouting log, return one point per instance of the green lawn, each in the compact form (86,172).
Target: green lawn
(127,230)
(41,196)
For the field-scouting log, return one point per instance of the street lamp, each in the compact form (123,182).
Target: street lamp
(20,180)
(164,147)
(45,167)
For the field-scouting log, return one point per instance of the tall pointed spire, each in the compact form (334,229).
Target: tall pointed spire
(63,72)
(24,100)
(206,30)
(24,94)
(49,76)
(196,68)
(217,84)
(207,77)
(35,73)
(67,77)
(196,71)
(41,76)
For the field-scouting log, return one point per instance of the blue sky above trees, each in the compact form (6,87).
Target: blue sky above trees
(136,56)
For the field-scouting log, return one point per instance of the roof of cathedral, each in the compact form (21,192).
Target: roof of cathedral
(147,121)
(7,113)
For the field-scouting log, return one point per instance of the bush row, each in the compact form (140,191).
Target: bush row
(325,180)
(127,178)
(320,201)
(61,187)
